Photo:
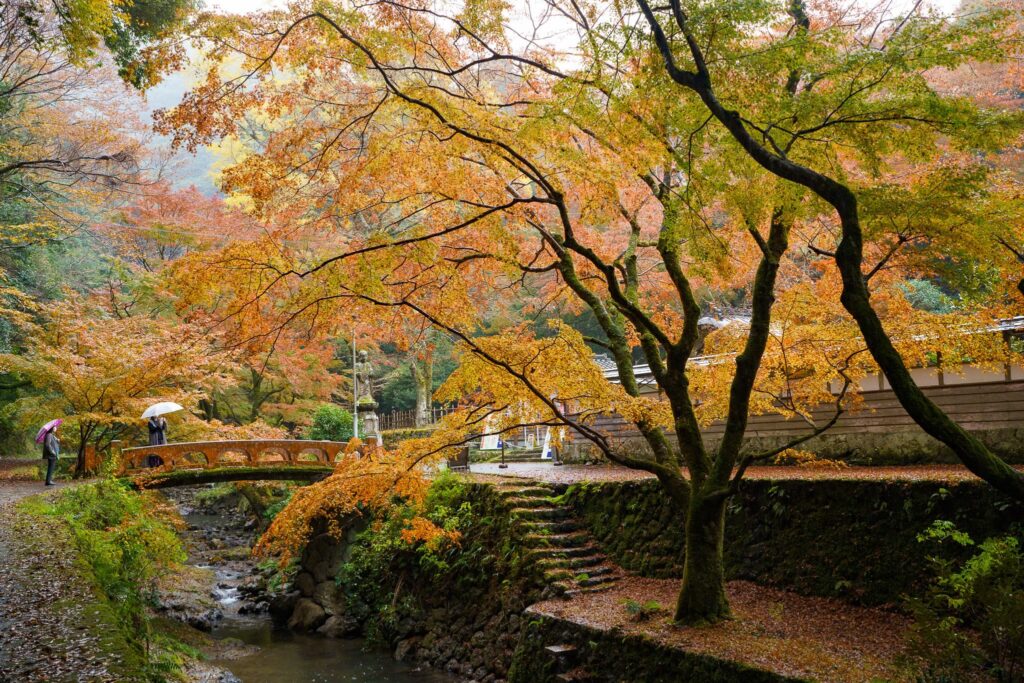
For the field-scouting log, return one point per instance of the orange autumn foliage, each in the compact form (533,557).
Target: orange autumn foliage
(372,482)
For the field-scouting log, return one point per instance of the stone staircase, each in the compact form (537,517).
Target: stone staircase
(558,541)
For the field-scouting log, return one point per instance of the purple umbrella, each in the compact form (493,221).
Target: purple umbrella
(49,426)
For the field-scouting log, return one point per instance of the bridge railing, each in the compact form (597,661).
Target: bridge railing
(199,455)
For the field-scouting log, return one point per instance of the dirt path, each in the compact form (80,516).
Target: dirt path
(52,628)
(13,491)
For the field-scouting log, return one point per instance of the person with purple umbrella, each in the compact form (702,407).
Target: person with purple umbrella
(51,447)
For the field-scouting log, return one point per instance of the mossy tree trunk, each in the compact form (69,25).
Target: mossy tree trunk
(702,599)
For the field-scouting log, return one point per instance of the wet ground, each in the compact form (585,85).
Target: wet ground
(51,628)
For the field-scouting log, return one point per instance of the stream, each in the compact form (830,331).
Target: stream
(235,613)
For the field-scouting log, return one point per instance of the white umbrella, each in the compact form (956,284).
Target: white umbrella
(162,408)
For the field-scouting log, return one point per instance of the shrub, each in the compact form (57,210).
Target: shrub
(330,423)
(391,575)
(125,544)
(972,616)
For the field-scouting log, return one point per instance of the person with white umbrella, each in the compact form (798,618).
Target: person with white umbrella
(158,426)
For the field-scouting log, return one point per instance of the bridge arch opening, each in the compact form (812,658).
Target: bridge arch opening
(272,455)
(311,455)
(234,458)
(191,459)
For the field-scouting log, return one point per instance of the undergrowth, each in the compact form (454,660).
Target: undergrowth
(128,546)
(970,622)
(391,578)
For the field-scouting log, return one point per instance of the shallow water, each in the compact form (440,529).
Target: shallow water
(283,656)
(286,657)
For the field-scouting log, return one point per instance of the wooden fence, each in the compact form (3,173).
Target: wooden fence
(406,419)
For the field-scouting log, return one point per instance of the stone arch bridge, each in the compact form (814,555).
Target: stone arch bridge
(201,462)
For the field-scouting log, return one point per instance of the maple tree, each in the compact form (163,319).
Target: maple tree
(162,224)
(418,160)
(886,94)
(281,376)
(71,141)
(100,371)
(135,35)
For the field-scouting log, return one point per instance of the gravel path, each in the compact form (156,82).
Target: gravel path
(52,628)
(571,474)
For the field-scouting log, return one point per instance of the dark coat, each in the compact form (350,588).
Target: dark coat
(51,446)
(157,431)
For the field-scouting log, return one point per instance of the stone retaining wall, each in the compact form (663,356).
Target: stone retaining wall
(851,539)
(467,622)
(596,656)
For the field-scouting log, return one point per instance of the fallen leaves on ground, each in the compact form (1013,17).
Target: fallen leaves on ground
(789,634)
(51,627)
(571,474)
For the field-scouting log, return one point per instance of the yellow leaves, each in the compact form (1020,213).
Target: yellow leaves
(517,378)
(793,456)
(13,235)
(485,18)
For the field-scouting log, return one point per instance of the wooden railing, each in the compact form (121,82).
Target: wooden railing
(218,454)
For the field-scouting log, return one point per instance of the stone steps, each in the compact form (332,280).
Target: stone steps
(534,502)
(589,581)
(550,528)
(516,490)
(560,545)
(564,540)
(555,551)
(542,513)
(573,563)
(596,586)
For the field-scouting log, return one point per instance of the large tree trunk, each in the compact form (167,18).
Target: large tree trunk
(702,599)
(856,298)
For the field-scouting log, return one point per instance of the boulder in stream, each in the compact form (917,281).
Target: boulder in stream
(340,626)
(307,616)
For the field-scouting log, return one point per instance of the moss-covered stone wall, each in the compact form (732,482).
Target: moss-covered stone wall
(852,539)
(458,610)
(607,656)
